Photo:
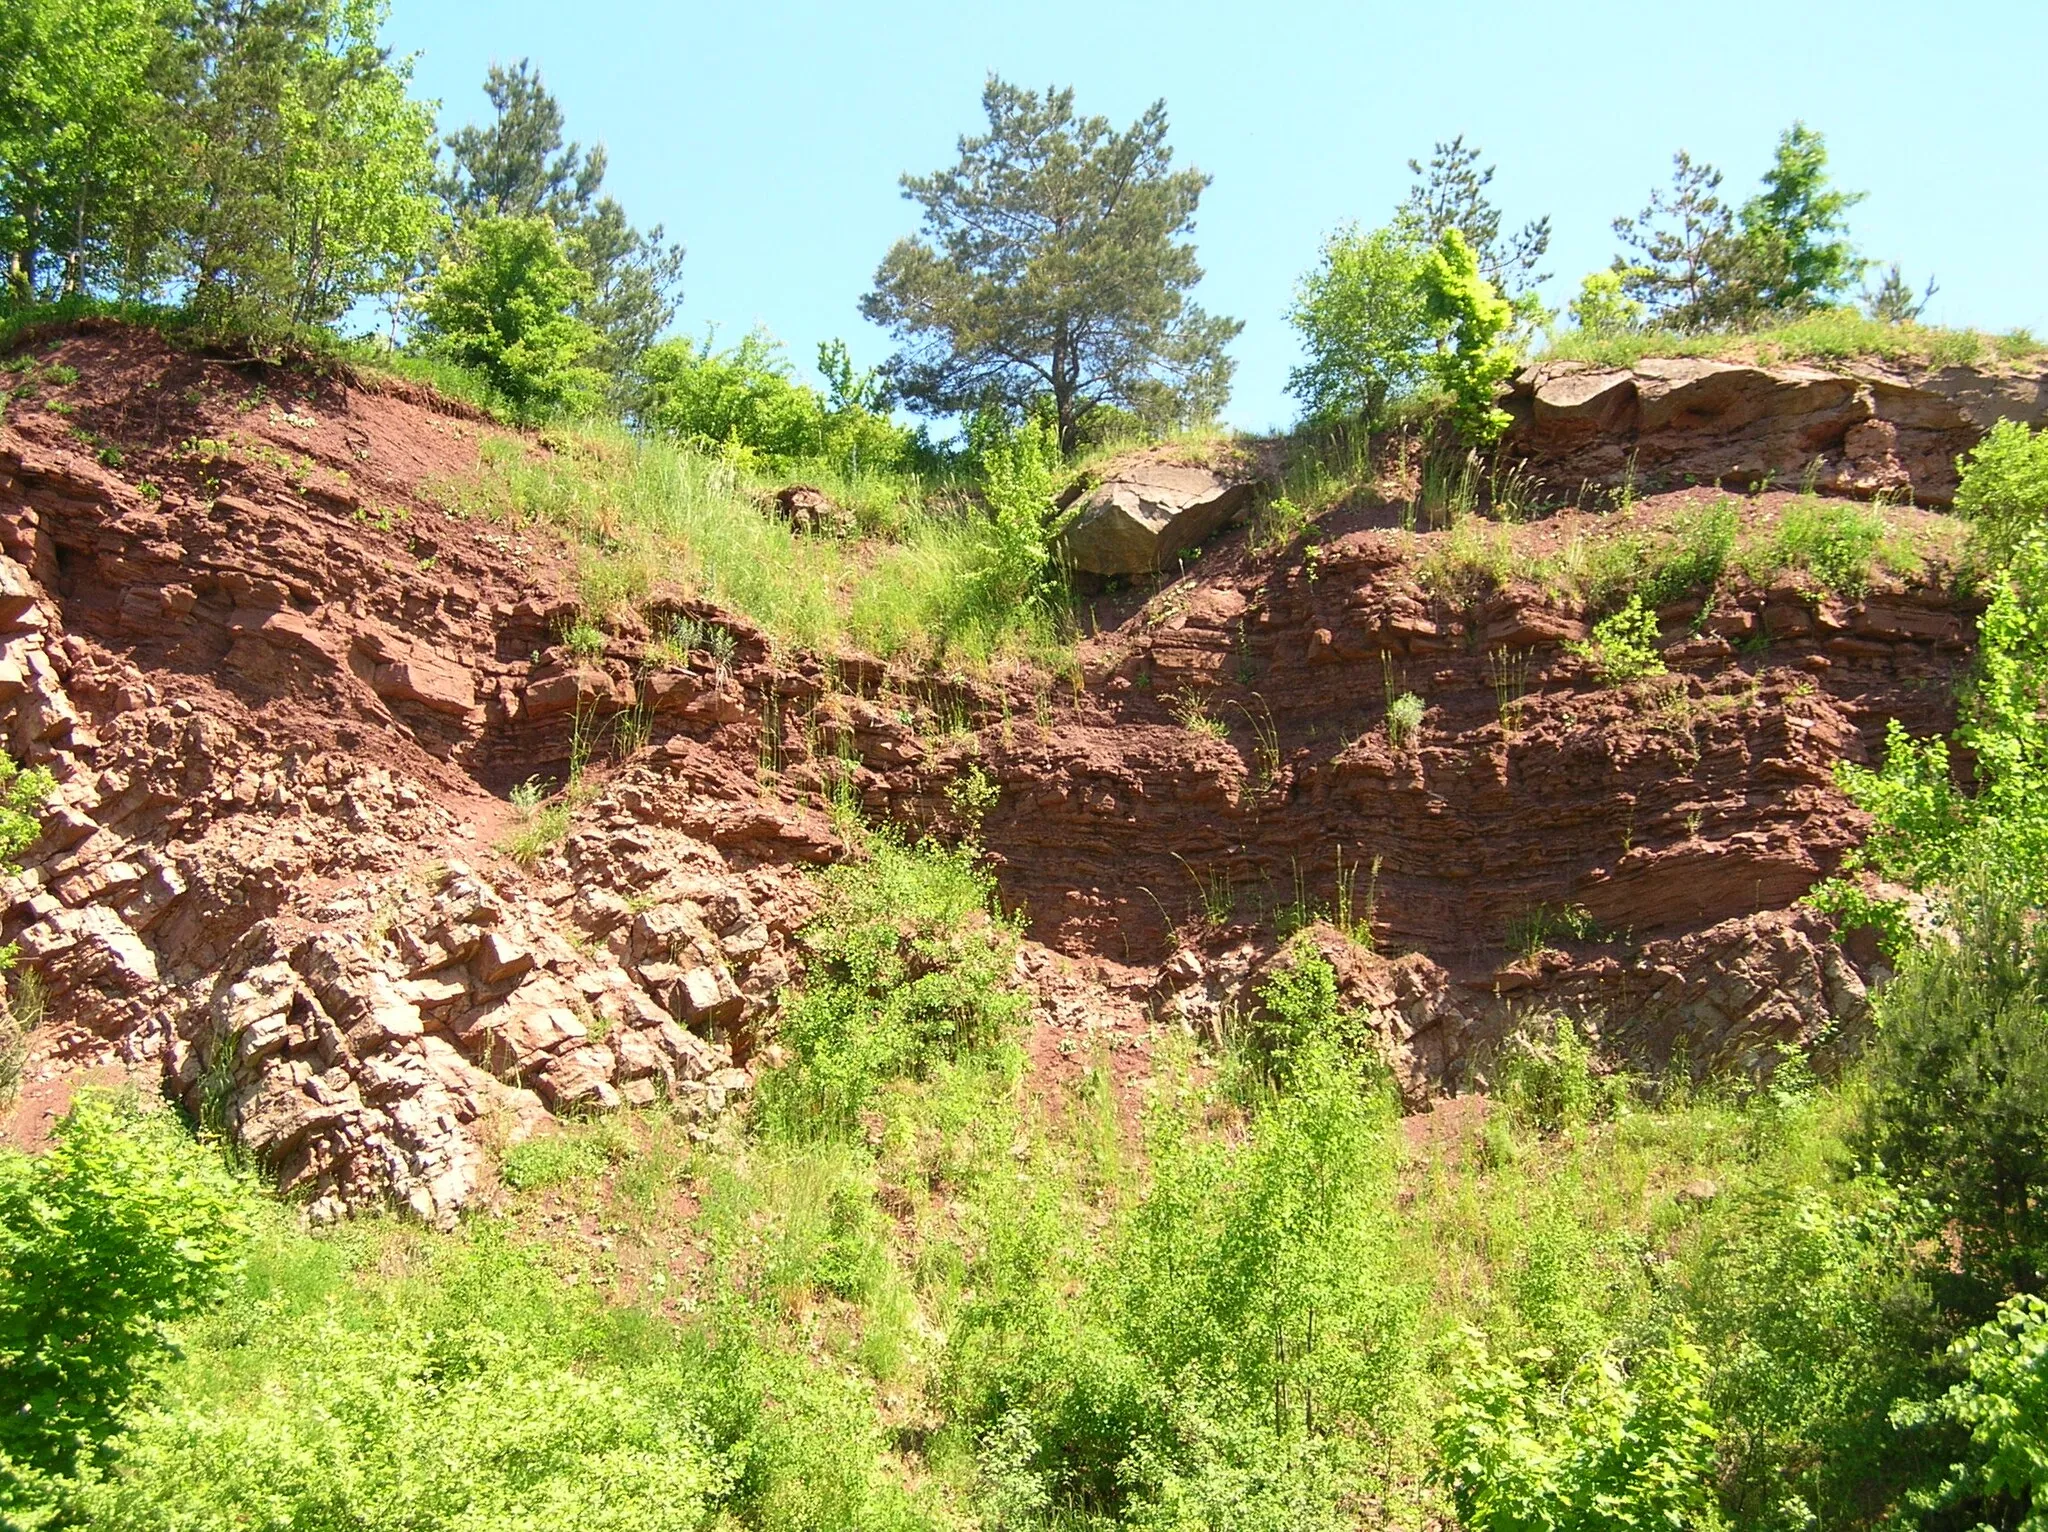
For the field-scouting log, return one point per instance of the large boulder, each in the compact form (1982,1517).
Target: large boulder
(1148,508)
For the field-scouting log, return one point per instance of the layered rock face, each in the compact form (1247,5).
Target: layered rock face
(287,699)
(1860,429)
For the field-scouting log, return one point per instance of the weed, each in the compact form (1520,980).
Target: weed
(1215,890)
(1404,719)
(973,793)
(1190,709)
(1473,560)
(1532,931)
(1835,543)
(1624,646)
(1509,669)
(584,640)
(538,827)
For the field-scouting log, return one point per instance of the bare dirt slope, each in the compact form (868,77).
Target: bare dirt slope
(286,695)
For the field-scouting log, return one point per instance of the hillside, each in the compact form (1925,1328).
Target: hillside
(287,695)
(824,1090)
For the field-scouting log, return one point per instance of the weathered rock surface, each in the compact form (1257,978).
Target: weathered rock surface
(1147,508)
(1858,429)
(285,698)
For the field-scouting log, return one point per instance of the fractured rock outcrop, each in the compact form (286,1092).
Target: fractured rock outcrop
(1862,428)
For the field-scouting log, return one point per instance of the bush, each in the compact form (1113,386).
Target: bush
(1928,830)
(1467,312)
(908,965)
(2004,489)
(1624,645)
(744,397)
(1404,717)
(1603,309)
(124,1226)
(1959,1090)
(1300,1015)
(1612,1449)
(1834,543)
(2002,1404)
(1363,322)
(503,305)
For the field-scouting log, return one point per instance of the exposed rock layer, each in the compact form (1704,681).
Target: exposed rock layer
(1860,429)
(285,697)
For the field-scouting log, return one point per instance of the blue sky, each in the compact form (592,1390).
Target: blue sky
(769,135)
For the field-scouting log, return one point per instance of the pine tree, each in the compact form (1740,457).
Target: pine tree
(518,166)
(1054,262)
(1450,193)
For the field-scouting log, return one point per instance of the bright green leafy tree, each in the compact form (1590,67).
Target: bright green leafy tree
(503,305)
(1473,319)
(309,167)
(82,157)
(1364,323)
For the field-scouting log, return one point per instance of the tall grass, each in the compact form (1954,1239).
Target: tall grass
(650,517)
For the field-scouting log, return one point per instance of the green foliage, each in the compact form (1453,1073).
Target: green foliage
(1362,320)
(1301,1017)
(1825,335)
(1854,908)
(1603,309)
(1792,230)
(1699,264)
(535,1164)
(1611,1449)
(1548,1083)
(1833,542)
(1450,193)
(744,396)
(1404,719)
(2004,489)
(1624,645)
(124,1226)
(1928,830)
(908,965)
(1959,1089)
(1809,1299)
(1467,312)
(1015,567)
(23,795)
(518,166)
(1053,261)
(503,305)
(2003,1404)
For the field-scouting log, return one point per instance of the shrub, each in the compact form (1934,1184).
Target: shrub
(1834,543)
(1959,1089)
(122,1227)
(1692,562)
(1809,1299)
(1404,719)
(1603,309)
(503,305)
(1549,1083)
(1624,645)
(745,396)
(1612,1449)
(1364,324)
(1015,567)
(1300,1015)
(908,966)
(2003,1404)
(1927,829)
(1474,319)
(2004,489)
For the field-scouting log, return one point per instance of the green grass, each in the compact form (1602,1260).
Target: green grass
(1834,335)
(653,517)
